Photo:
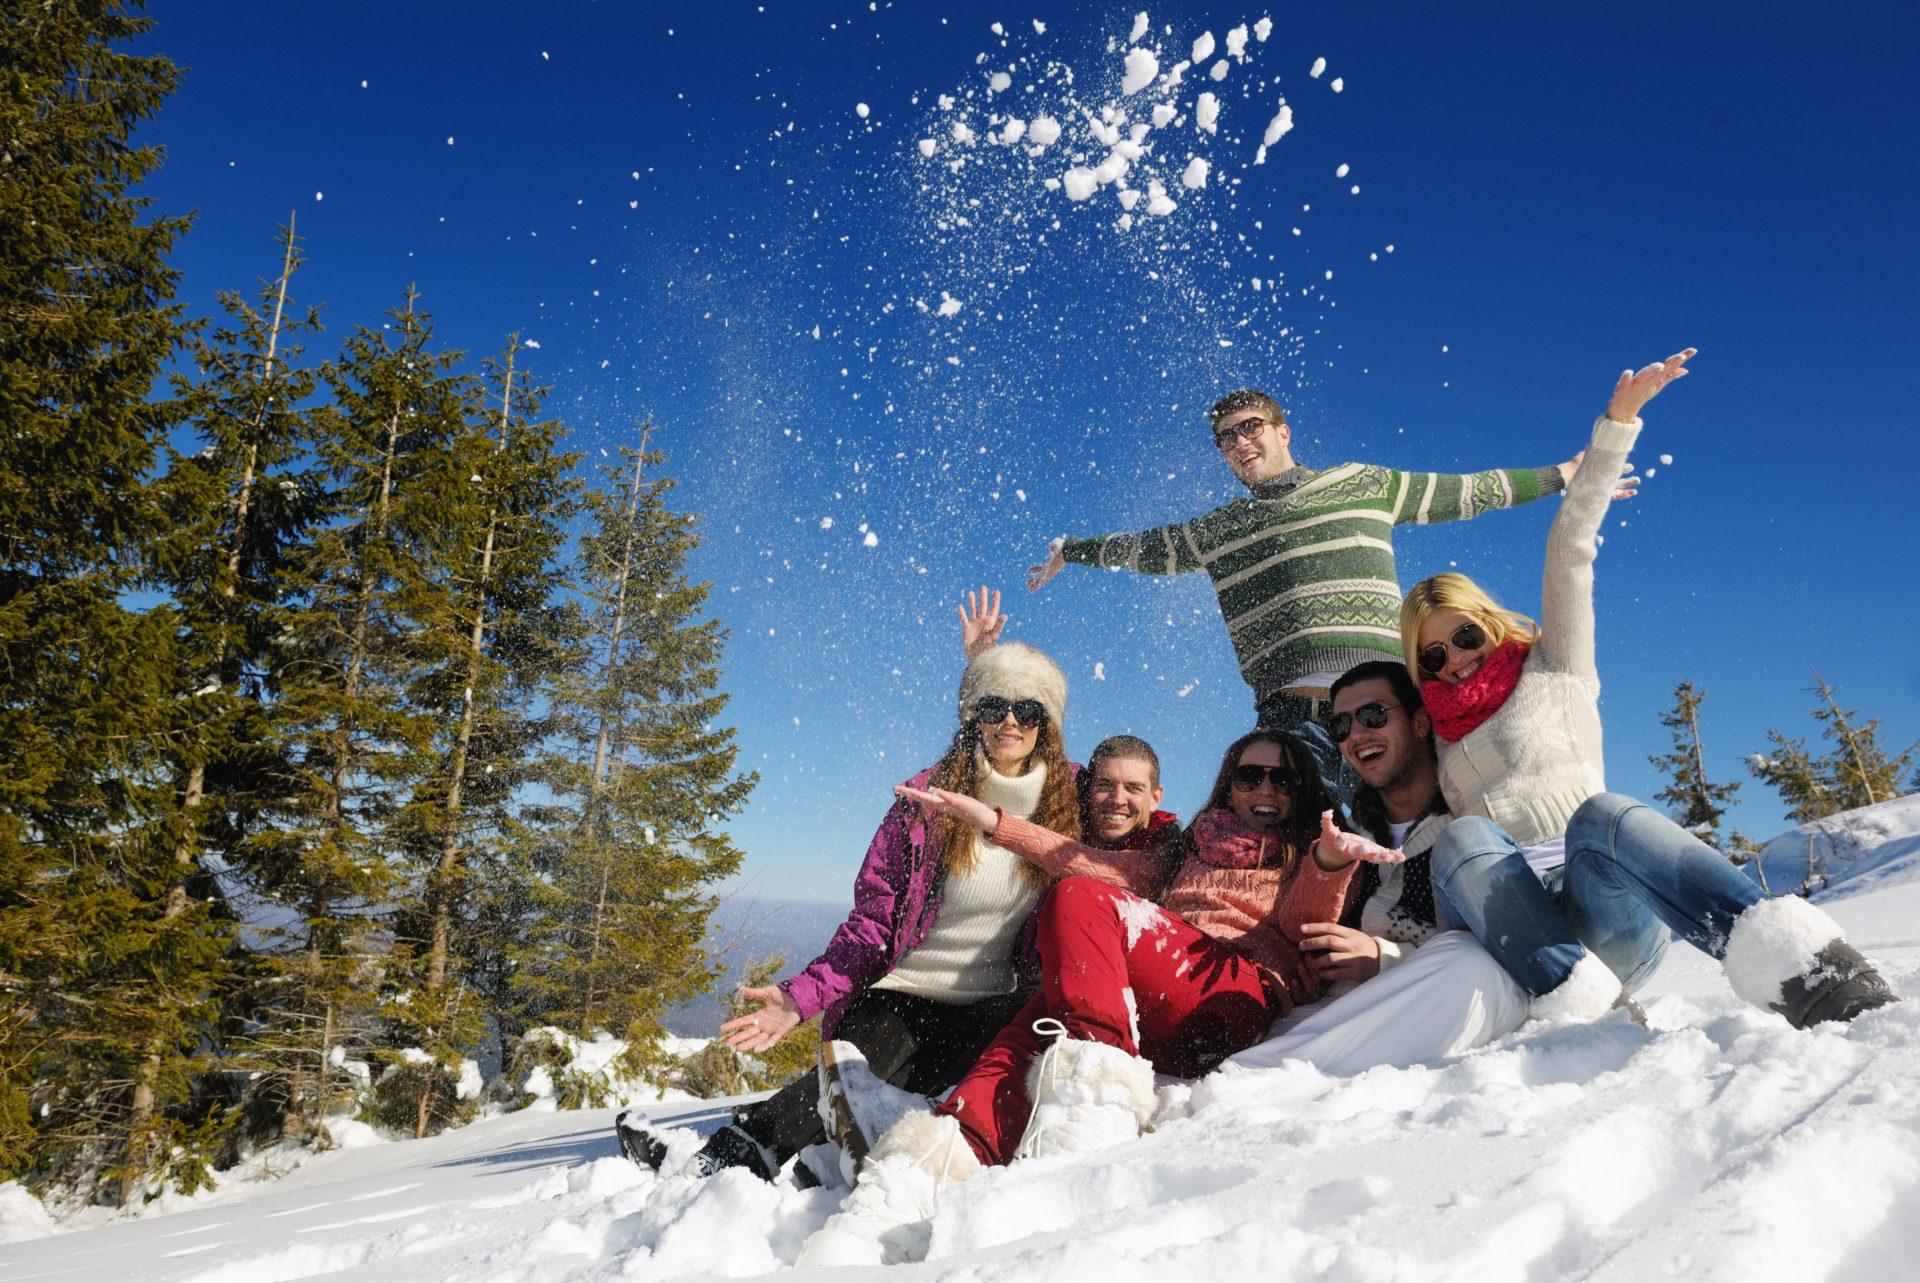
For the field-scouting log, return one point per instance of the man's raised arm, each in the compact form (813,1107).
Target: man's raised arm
(1422,498)
(1163,550)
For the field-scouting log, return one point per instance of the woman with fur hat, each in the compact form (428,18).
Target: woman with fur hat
(938,952)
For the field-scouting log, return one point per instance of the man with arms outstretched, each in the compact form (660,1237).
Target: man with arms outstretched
(1304,567)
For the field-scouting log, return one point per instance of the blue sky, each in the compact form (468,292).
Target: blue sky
(681,205)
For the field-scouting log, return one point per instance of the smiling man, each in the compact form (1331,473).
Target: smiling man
(1120,795)
(1304,567)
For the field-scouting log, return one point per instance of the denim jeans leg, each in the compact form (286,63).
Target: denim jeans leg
(1480,875)
(1618,846)
(1607,910)
(1294,715)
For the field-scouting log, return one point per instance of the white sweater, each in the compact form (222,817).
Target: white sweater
(1530,765)
(968,952)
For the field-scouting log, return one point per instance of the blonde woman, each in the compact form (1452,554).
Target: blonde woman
(1572,888)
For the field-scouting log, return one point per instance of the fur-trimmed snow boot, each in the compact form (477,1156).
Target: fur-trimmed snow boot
(1086,1096)
(1787,956)
(887,1218)
(1589,992)
(857,1106)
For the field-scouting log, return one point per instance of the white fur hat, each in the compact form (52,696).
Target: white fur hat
(1015,671)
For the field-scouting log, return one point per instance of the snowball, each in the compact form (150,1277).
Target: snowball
(1043,131)
(1203,47)
(1206,113)
(1319,67)
(1237,42)
(1139,28)
(860,109)
(1195,174)
(871,540)
(1142,67)
(1339,85)
(1080,183)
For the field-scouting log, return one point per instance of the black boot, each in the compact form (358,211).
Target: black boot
(1841,985)
(732,1147)
(638,1141)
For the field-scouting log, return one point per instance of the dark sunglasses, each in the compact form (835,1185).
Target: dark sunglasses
(1466,637)
(993,710)
(1245,430)
(1251,777)
(1372,716)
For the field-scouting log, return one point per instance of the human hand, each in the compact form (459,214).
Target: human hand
(1037,576)
(763,1027)
(1336,850)
(944,802)
(1635,389)
(1629,483)
(980,622)
(1340,953)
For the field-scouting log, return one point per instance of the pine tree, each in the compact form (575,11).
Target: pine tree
(340,721)
(86,325)
(632,842)
(493,634)
(1694,801)
(1855,771)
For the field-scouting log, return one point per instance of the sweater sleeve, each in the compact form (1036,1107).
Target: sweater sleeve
(1163,550)
(1312,894)
(1139,872)
(1391,953)
(1422,498)
(1566,591)
(861,948)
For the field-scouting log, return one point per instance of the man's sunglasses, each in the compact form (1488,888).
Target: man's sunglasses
(1251,777)
(1245,430)
(1372,716)
(993,710)
(1467,637)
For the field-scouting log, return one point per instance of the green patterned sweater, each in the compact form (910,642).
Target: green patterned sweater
(1304,569)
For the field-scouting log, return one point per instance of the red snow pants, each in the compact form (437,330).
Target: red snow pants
(1195,1002)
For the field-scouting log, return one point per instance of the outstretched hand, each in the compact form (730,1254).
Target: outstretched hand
(980,622)
(1629,482)
(1336,850)
(945,802)
(1636,388)
(758,1030)
(1037,576)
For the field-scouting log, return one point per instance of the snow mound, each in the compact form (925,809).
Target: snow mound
(1854,852)
(21,1215)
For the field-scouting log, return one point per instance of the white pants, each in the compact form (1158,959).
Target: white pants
(1446,997)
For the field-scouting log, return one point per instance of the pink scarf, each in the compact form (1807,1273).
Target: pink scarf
(1220,839)
(1460,709)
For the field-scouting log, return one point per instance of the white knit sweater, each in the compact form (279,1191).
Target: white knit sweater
(1530,765)
(968,952)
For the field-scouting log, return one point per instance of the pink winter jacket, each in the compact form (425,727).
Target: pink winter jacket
(1259,911)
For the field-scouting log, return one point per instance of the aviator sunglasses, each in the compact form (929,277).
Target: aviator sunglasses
(1250,777)
(1245,430)
(1466,637)
(993,710)
(1372,716)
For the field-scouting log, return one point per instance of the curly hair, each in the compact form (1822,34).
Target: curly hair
(959,772)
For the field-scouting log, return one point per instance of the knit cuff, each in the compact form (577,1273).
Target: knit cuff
(1391,953)
(1551,482)
(1081,552)
(1609,435)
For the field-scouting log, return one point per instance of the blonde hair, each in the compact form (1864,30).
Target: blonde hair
(1448,591)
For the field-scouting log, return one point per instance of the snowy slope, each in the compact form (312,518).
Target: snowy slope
(1860,849)
(1717,1144)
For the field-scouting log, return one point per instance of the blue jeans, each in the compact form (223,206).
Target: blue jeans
(1631,876)
(1299,717)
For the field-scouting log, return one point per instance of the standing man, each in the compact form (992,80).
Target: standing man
(1304,568)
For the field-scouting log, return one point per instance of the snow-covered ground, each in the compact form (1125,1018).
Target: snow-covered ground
(1715,1144)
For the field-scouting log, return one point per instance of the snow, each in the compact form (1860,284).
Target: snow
(1140,22)
(1856,850)
(1715,1144)
(1142,67)
(1666,458)
(1206,112)
(1044,131)
(1319,68)
(21,1215)
(1203,48)
(1195,174)
(861,110)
